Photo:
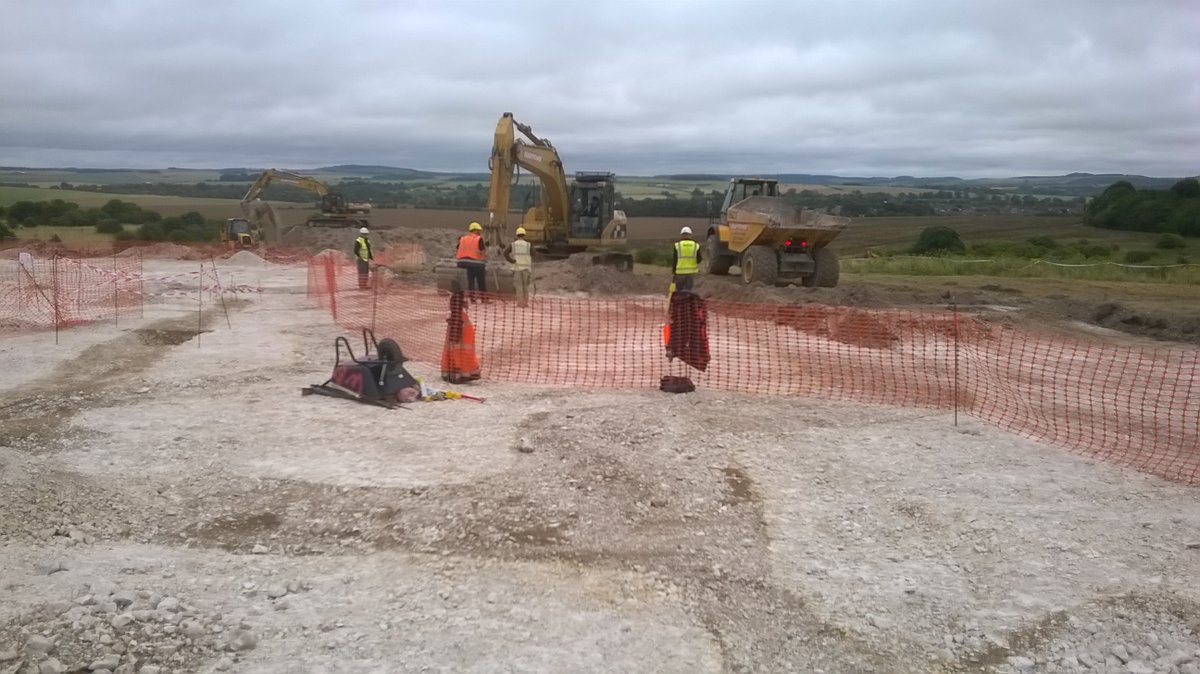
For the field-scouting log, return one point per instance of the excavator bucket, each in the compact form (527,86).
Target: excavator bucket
(499,277)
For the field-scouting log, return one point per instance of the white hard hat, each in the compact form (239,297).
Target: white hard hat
(363,231)
(686,230)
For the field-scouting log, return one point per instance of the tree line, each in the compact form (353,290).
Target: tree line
(1123,206)
(468,196)
(111,218)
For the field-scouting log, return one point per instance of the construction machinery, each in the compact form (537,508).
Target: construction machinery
(570,217)
(237,233)
(336,211)
(769,239)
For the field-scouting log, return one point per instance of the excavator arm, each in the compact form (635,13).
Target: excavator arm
(260,213)
(286,177)
(546,221)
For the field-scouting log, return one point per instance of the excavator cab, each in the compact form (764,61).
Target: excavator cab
(237,233)
(591,204)
(333,203)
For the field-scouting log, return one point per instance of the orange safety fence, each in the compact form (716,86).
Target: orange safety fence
(1134,406)
(61,291)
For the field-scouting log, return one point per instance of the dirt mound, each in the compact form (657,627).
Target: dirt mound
(578,274)
(164,251)
(244,258)
(437,243)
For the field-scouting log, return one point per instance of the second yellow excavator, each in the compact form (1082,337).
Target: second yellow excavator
(336,211)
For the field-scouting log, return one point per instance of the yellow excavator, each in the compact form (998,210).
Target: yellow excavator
(570,217)
(262,224)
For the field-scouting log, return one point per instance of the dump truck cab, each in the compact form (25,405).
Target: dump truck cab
(769,239)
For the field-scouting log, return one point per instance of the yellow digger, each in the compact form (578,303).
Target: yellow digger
(336,211)
(237,233)
(570,217)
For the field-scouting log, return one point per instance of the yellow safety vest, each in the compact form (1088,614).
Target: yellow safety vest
(522,252)
(364,248)
(687,251)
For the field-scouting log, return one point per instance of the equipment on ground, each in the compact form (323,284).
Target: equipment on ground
(570,217)
(771,240)
(430,394)
(336,211)
(237,233)
(378,378)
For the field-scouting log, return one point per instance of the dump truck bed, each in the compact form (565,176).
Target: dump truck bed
(774,213)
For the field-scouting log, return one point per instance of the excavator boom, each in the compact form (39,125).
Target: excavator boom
(286,177)
(538,156)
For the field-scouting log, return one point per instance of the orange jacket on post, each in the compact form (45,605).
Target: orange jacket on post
(470,247)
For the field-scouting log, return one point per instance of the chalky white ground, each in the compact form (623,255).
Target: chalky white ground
(181,506)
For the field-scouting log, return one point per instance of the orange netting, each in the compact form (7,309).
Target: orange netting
(1138,407)
(60,291)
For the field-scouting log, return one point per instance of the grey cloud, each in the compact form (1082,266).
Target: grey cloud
(923,87)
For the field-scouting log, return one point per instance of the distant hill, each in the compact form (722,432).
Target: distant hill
(1069,185)
(369,170)
(1072,184)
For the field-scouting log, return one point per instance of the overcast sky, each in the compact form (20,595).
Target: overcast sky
(971,88)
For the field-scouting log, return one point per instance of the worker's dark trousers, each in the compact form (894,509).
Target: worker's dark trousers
(476,276)
(684,281)
(364,272)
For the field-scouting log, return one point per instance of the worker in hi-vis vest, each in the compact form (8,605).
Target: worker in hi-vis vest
(363,255)
(686,260)
(520,252)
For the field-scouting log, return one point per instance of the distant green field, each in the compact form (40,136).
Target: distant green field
(10,195)
(901,232)
(68,235)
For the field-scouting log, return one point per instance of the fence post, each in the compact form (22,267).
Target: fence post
(116,305)
(57,315)
(221,291)
(374,299)
(331,284)
(954,309)
(199,304)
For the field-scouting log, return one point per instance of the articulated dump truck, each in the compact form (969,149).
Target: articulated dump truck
(769,239)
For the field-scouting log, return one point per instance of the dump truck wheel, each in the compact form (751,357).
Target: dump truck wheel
(759,265)
(715,262)
(825,275)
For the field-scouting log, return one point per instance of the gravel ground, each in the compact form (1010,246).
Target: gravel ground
(180,507)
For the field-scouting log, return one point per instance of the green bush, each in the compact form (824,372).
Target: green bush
(1046,242)
(938,239)
(1170,241)
(5,232)
(1138,256)
(109,226)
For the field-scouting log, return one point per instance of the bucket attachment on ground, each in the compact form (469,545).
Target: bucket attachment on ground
(378,378)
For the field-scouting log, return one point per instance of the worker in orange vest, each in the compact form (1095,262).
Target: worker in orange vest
(472,256)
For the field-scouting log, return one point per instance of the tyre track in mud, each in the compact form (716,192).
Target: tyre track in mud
(41,410)
(691,523)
